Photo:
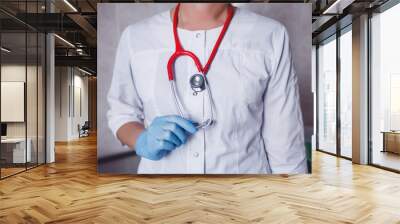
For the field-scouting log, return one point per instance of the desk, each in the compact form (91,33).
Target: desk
(13,150)
(391,141)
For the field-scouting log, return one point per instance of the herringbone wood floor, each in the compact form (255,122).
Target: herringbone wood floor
(71,191)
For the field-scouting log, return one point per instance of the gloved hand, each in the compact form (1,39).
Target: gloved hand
(164,134)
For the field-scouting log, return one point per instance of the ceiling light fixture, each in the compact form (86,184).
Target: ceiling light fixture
(64,40)
(84,71)
(5,50)
(70,5)
(337,7)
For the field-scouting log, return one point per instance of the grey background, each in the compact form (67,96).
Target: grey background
(114,17)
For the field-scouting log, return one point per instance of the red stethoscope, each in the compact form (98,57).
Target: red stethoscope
(198,82)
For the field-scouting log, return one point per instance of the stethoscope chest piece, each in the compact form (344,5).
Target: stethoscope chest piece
(197,83)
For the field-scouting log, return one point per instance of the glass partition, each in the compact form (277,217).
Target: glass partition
(327,96)
(14,153)
(32,96)
(346,93)
(41,97)
(385,89)
(334,101)
(32,73)
(22,78)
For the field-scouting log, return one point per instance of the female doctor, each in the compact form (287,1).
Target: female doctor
(208,88)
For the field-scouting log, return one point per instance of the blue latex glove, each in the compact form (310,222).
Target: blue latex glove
(165,134)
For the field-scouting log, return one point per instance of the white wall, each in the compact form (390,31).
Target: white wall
(70,83)
(62,81)
(17,73)
(14,73)
(79,117)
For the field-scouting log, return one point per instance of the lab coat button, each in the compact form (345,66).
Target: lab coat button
(196,154)
(198,35)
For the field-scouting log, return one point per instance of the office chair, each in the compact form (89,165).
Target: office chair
(84,130)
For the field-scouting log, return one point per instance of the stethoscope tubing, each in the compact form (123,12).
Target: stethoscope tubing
(179,51)
(179,105)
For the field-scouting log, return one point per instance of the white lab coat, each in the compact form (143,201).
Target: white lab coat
(259,127)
